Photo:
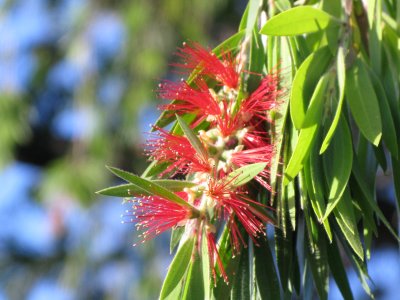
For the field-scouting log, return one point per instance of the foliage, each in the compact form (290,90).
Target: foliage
(334,126)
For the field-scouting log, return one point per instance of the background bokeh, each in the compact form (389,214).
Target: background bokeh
(77,81)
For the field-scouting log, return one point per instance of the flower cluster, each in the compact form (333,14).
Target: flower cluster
(227,133)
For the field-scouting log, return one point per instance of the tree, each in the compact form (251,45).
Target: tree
(285,123)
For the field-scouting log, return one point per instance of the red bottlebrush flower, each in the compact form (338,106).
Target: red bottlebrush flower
(228,123)
(234,202)
(224,70)
(214,257)
(190,100)
(154,215)
(255,155)
(255,139)
(263,99)
(178,151)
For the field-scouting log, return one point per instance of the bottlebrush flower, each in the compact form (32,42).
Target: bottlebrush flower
(233,135)
(153,215)
(197,100)
(177,151)
(195,57)
(235,203)
(262,100)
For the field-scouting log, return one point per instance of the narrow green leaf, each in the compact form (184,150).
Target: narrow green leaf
(265,272)
(284,256)
(309,128)
(194,285)
(243,20)
(370,198)
(192,137)
(388,127)
(154,168)
(206,271)
(230,262)
(176,236)
(298,20)
(241,281)
(178,268)
(130,190)
(291,201)
(314,175)
(341,78)
(338,271)
(319,266)
(347,222)
(359,266)
(245,174)
(338,161)
(150,187)
(363,102)
(375,35)
(254,6)
(304,82)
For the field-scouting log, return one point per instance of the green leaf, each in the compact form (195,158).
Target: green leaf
(314,176)
(176,236)
(298,20)
(359,266)
(291,201)
(241,281)
(319,266)
(130,190)
(370,198)
(150,188)
(243,20)
(194,285)
(206,270)
(341,78)
(309,129)
(266,277)
(245,174)
(338,271)
(178,268)
(193,139)
(304,83)
(338,161)
(222,290)
(388,128)
(363,103)
(344,215)
(154,168)
(284,256)
(254,6)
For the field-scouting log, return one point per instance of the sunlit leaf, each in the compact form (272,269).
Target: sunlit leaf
(130,190)
(347,222)
(341,78)
(246,173)
(178,268)
(150,187)
(304,82)
(194,285)
(363,102)
(299,20)
(309,128)
(338,161)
